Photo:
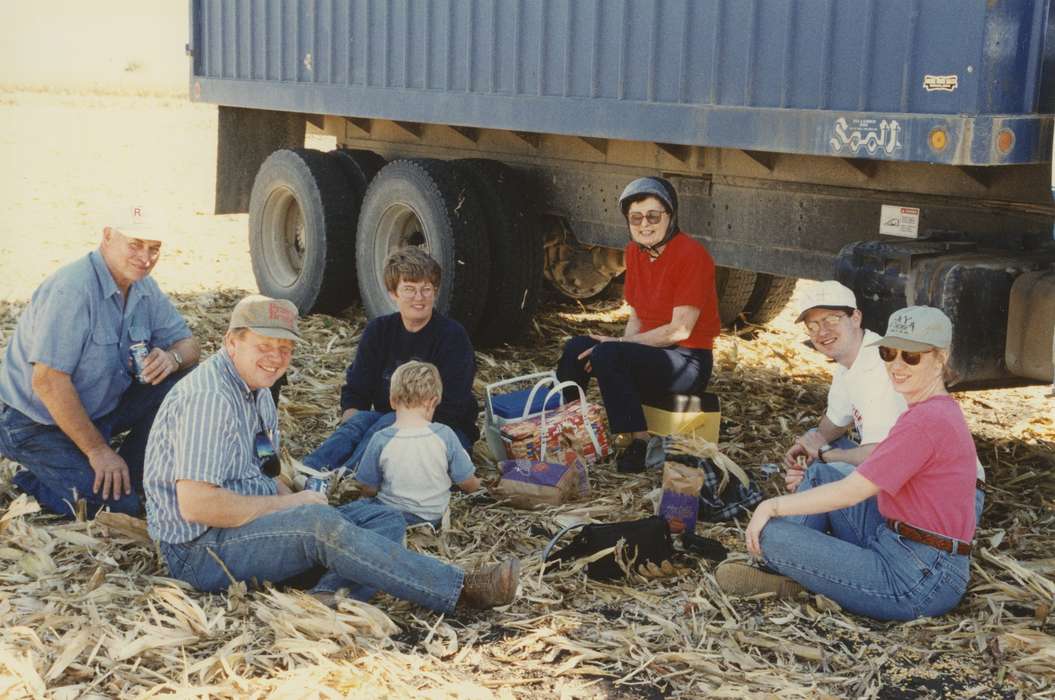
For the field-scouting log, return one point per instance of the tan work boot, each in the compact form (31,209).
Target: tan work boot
(491,586)
(742,579)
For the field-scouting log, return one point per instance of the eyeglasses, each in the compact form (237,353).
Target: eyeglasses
(409,291)
(265,452)
(909,357)
(829,322)
(653,216)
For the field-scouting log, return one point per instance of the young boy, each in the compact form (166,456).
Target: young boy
(411,464)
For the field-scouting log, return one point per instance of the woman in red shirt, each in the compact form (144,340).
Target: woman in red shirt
(893,539)
(666,346)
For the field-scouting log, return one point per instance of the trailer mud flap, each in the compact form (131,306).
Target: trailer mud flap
(973,287)
(246,137)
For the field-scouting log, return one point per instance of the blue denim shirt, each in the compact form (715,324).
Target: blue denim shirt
(77,323)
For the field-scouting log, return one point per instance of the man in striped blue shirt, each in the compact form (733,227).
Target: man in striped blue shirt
(217,513)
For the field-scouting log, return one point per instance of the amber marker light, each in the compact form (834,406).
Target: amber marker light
(938,139)
(1005,141)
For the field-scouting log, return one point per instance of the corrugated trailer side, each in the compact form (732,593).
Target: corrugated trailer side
(806,138)
(788,76)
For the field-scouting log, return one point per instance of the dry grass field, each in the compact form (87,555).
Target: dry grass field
(86,611)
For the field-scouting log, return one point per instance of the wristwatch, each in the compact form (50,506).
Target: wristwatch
(177,358)
(824,448)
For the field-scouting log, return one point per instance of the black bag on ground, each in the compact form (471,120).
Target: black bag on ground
(646,540)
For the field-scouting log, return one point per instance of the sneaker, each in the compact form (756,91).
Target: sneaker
(491,586)
(632,459)
(742,579)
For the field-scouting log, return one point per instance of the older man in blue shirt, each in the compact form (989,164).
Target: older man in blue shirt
(67,386)
(217,512)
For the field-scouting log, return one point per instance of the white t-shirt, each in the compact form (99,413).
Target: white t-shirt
(864,395)
(414,468)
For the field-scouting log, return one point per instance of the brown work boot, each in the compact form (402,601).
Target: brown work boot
(742,579)
(491,586)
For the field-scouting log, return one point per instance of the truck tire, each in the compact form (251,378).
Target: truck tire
(358,166)
(301,217)
(515,248)
(769,297)
(734,288)
(427,203)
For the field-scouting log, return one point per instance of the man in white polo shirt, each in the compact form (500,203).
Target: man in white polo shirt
(860,396)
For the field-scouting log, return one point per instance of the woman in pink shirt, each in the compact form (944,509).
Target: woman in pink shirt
(892,540)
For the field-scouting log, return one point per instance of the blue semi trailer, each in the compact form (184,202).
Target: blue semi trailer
(901,146)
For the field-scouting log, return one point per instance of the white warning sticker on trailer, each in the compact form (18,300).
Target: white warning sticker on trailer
(899,221)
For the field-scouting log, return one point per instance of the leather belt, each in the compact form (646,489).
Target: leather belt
(930,539)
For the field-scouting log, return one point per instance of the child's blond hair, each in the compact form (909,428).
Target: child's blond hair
(415,384)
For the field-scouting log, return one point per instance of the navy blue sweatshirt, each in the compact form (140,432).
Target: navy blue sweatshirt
(386,344)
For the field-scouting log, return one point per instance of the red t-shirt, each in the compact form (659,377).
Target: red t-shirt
(926,469)
(683,275)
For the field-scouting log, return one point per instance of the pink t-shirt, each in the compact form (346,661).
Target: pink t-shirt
(926,469)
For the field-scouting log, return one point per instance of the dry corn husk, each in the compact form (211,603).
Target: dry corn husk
(87,609)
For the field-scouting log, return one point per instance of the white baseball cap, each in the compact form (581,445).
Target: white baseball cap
(917,328)
(827,295)
(139,221)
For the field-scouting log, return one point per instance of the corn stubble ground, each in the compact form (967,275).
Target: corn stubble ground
(88,611)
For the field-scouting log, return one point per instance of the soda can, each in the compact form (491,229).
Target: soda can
(139,357)
(314,483)
(769,469)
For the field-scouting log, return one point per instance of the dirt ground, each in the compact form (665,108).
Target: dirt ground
(71,156)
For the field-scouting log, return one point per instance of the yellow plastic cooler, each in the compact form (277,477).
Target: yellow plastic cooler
(684,414)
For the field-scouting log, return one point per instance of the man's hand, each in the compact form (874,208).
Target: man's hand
(111,473)
(158,365)
(348,414)
(795,466)
(307,497)
(811,443)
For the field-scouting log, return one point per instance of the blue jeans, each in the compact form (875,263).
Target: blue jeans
(626,372)
(345,447)
(851,556)
(359,545)
(57,473)
(408,517)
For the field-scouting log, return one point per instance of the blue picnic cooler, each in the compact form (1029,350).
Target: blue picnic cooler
(510,406)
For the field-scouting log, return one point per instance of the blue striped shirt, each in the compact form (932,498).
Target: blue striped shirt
(204,431)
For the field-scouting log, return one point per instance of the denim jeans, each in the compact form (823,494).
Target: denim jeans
(627,371)
(345,447)
(408,517)
(851,556)
(359,545)
(57,473)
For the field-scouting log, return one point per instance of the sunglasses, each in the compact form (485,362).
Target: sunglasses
(653,216)
(909,357)
(265,452)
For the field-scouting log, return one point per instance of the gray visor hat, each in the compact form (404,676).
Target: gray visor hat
(656,187)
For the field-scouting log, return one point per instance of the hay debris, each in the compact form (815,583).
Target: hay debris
(86,609)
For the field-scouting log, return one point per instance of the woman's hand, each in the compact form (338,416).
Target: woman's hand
(752,535)
(600,339)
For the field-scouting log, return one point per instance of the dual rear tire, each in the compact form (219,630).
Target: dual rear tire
(321,226)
